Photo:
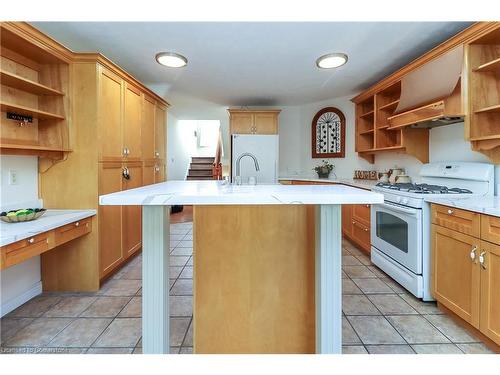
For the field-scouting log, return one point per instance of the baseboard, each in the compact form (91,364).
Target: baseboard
(17,301)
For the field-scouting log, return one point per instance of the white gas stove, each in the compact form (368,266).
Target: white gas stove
(400,227)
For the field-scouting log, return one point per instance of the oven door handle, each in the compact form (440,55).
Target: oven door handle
(392,207)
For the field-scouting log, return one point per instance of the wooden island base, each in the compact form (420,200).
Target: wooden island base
(254,279)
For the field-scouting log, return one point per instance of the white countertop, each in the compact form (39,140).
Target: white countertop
(215,193)
(483,205)
(362,184)
(13,232)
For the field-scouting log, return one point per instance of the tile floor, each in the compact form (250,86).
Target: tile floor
(379,316)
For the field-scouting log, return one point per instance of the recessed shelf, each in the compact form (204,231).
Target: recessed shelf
(490,66)
(382,127)
(367,131)
(492,108)
(32,147)
(22,110)
(367,114)
(21,83)
(390,105)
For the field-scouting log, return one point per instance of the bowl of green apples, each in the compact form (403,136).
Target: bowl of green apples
(21,215)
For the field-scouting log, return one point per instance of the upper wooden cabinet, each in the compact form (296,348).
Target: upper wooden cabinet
(160,132)
(132,123)
(148,128)
(253,121)
(110,104)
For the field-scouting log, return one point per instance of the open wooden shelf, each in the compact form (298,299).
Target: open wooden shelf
(391,105)
(382,127)
(32,147)
(367,114)
(367,131)
(21,83)
(492,108)
(490,66)
(22,110)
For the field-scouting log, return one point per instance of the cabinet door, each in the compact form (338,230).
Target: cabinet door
(361,213)
(265,123)
(110,116)
(132,123)
(160,174)
(148,128)
(132,215)
(455,273)
(347,220)
(242,123)
(110,219)
(490,291)
(361,235)
(148,174)
(160,133)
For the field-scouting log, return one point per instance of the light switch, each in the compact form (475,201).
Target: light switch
(13,180)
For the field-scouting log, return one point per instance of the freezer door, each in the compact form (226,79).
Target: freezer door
(265,148)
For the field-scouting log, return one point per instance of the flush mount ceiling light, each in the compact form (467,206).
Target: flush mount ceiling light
(332,60)
(171,59)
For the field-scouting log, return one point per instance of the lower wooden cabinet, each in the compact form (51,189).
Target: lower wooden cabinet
(347,220)
(466,273)
(132,215)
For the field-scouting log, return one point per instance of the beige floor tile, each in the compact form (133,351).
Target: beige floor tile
(70,307)
(345,252)
(358,272)
(349,260)
(344,275)
(174,271)
(10,326)
(394,285)
(176,237)
(354,349)
(139,292)
(38,333)
(186,350)
(188,341)
(372,286)
(178,329)
(134,273)
(181,306)
(348,287)
(80,333)
(182,287)
(389,349)
(358,305)
(364,259)
(106,307)
(190,261)
(137,350)
(182,231)
(174,350)
(436,349)
(421,306)
(377,271)
(120,288)
(391,304)
(349,337)
(416,330)
(178,261)
(35,307)
(133,309)
(110,350)
(187,273)
(183,251)
(48,350)
(184,243)
(122,332)
(375,330)
(354,250)
(451,329)
(188,237)
(476,348)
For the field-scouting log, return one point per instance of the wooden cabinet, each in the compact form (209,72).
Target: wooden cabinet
(160,133)
(455,275)
(132,215)
(466,268)
(490,229)
(132,123)
(148,128)
(347,220)
(253,121)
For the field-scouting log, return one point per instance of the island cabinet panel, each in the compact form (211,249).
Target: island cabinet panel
(132,123)
(254,292)
(455,275)
(490,291)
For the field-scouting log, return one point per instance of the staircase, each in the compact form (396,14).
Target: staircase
(201,168)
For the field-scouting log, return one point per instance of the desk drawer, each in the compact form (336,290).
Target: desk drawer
(19,251)
(71,231)
(361,235)
(456,219)
(490,229)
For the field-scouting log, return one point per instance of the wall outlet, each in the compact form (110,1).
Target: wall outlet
(13,177)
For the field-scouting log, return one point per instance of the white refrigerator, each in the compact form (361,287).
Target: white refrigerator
(265,149)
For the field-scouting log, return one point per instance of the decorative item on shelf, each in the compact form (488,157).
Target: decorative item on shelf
(25,214)
(328,134)
(403,179)
(324,169)
(384,177)
(365,175)
(21,119)
(394,173)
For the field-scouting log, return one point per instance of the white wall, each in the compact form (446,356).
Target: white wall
(19,283)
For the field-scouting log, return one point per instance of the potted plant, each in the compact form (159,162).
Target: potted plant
(324,169)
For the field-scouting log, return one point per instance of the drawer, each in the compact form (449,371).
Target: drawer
(456,219)
(490,229)
(19,251)
(71,231)
(361,235)
(361,213)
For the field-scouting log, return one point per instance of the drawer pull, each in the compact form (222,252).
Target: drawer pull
(360,226)
(482,259)
(31,240)
(77,224)
(473,254)
(450,212)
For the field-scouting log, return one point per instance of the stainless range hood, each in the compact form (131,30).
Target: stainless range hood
(431,94)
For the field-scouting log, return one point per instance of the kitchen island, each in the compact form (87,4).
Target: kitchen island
(267,264)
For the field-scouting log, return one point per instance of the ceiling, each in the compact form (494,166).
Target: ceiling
(248,63)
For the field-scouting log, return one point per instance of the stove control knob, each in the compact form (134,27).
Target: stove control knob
(404,201)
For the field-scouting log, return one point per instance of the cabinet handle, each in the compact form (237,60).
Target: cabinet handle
(31,240)
(482,259)
(124,151)
(367,206)
(450,212)
(473,254)
(157,154)
(360,226)
(126,173)
(77,224)
(157,169)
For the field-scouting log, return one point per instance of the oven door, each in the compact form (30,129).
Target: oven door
(397,232)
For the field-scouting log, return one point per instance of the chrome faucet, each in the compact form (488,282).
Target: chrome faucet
(238,162)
